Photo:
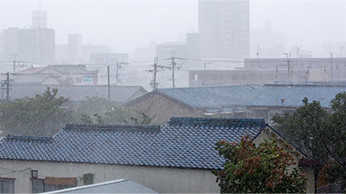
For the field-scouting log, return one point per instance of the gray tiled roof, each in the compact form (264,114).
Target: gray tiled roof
(181,142)
(119,94)
(271,95)
(221,96)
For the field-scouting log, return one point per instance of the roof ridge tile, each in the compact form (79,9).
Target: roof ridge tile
(216,121)
(10,137)
(129,128)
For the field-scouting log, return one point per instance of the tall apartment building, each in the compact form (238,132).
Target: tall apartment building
(39,19)
(35,44)
(224,28)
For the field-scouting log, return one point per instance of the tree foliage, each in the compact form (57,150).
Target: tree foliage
(104,111)
(262,169)
(39,115)
(319,134)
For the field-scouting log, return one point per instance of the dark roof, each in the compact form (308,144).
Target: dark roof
(119,94)
(181,142)
(271,95)
(203,97)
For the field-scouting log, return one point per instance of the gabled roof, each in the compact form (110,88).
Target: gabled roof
(181,143)
(69,69)
(292,95)
(120,94)
(203,97)
(33,78)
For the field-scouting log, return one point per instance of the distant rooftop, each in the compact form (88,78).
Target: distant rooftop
(292,95)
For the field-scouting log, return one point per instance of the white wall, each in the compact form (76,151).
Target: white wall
(163,180)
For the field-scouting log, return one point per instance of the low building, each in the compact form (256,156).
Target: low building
(66,74)
(192,102)
(175,158)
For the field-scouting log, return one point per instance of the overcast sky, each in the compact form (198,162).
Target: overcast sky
(126,25)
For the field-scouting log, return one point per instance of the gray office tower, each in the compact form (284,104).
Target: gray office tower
(224,28)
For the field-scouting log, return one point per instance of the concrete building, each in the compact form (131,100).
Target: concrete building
(330,69)
(224,28)
(75,52)
(75,48)
(39,19)
(35,45)
(172,49)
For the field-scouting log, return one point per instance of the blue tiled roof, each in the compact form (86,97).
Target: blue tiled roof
(201,97)
(181,142)
(271,95)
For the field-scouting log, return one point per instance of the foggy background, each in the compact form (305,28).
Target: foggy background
(126,25)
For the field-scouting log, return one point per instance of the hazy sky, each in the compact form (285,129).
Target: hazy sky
(126,25)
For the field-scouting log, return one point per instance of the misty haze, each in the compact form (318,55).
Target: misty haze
(133,96)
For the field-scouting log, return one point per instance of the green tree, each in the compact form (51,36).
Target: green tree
(104,111)
(334,139)
(142,116)
(262,169)
(39,115)
(319,134)
(92,106)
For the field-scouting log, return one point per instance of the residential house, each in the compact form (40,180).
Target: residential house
(35,79)
(176,158)
(67,74)
(192,102)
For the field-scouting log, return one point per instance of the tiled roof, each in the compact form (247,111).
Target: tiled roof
(201,97)
(292,95)
(181,142)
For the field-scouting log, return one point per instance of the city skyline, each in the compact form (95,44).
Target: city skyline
(126,25)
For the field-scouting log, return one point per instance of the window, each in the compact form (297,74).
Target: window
(7,185)
(52,184)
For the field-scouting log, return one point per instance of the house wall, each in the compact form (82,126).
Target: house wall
(164,108)
(309,174)
(163,180)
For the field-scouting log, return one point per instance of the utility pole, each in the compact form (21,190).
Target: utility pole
(173,67)
(117,74)
(109,84)
(7,83)
(331,67)
(288,66)
(153,83)
(155,70)
(7,87)
(14,64)
(257,51)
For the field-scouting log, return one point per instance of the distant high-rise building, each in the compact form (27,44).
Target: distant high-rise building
(224,28)
(75,47)
(34,45)
(39,19)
